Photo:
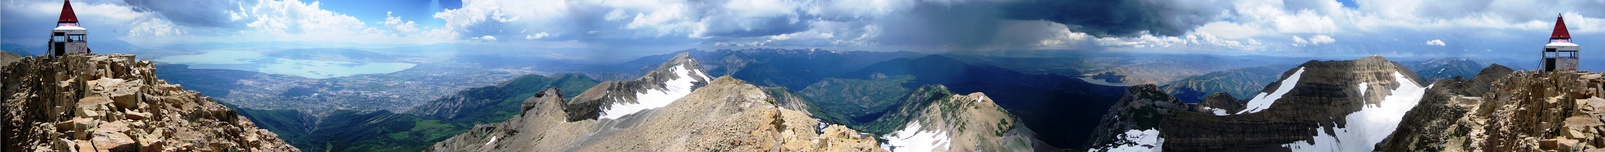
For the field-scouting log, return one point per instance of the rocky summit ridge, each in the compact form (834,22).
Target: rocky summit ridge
(1505,110)
(115,103)
(1372,104)
(659,87)
(728,114)
(1319,106)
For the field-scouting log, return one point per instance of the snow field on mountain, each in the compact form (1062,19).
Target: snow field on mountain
(1264,100)
(673,90)
(911,138)
(1371,124)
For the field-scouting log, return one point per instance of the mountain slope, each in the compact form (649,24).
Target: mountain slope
(1440,112)
(854,101)
(934,119)
(1445,68)
(496,102)
(115,103)
(7,58)
(1040,100)
(726,114)
(1319,106)
(1505,110)
(614,99)
(1244,82)
(1133,123)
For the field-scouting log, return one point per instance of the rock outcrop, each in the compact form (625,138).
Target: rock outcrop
(115,103)
(1501,110)
(726,114)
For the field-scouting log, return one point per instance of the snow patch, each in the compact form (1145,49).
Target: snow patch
(911,138)
(1140,140)
(1264,100)
(1363,86)
(492,140)
(1217,111)
(1371,124)
(673,90)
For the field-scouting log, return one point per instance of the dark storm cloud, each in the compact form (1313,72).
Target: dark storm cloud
(750,27)
(1119,17)
(963,26)
(207,13)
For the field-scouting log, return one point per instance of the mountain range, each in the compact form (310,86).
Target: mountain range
(1319,106)
(350,130)
(675,107)
(1370,104)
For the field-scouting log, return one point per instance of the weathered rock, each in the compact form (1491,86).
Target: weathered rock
(105,102)
(1566,145)
(1507,111)
(110,137)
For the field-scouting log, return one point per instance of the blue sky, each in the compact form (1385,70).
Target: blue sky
(1300,28)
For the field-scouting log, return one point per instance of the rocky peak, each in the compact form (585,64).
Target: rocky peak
(1133,122)
(727,114)
(673,79)
(1219,103)
(1367,80)
(115,103)
(935,119)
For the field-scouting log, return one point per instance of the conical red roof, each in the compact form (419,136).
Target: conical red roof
(1560,30)
(66,13)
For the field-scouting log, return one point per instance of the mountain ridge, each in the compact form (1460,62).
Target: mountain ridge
(1321,105)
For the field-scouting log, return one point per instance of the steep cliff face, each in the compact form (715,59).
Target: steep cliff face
(1500,110)
(116,103)
(1319,106)
(726,114)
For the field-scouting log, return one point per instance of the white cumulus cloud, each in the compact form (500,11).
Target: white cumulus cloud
(1436,42)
